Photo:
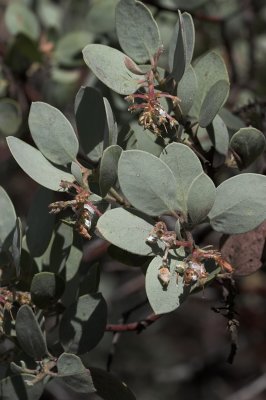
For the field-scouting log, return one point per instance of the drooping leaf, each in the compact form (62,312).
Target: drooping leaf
(109,66)
(248,143)
(163,299)
(8,216)
(126,231)
(91,121)
(36,165)
(17,388)
(137,31)
(73,373)
(213,101)
(77,172)
(209,69)
(29,334)
(232,122)
(186,89)
(108,168)
(111,124)
(52,133)
(68,50)
(17,245)
(46,288)
(10,117)
(109,387)
(147,182)
(39,222)
(185,166)
(20,19)
(219,136)
(177,51)
(83,324)
(201,197)
(240,204)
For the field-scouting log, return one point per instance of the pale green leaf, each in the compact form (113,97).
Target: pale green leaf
(53,133)
(8,216)
(186,89)
(36,165)
(213,101)
(20,19)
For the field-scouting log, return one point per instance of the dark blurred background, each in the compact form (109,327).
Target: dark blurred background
(182,355)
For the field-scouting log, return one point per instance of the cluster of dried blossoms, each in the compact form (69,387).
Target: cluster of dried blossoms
(192,268)
(83,209)
(152,115)
(8,299)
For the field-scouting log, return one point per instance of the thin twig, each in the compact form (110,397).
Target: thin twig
(137,326)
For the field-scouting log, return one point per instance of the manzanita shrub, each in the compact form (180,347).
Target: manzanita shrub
(127,186)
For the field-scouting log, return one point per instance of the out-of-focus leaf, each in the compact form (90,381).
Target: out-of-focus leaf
(10,117)
(29,334)
(73,373)
(16,388)
(201,196)
(53,133)
(68,50)
(36,165)
(83,323)
(50,14)
(240,204)
(109,387)
(186,89)
(91,121)
(184,4)
(21,53)
(101,16)
(39,222)
(248,143)
(126,231)
(137,31)
(46,288)
(109,65)
(8,216)
(147,182)
(185,166)
(108,168)
(232,122)
(20,19)
(213,101)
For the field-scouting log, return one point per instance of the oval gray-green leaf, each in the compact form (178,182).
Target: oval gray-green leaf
(10,117)
(240,204)
(219,136)
(16,388)
(53,133)
(163,299)
(83,324)
(46,288)
(147,182)
(137,30)
(36,165)
(109,66)
(185,166)
(232,122)
(108,168)
(209,69)
(29,334)
(126,231)
(20,19)
(201,197)
(186,89)
(213,101)
(74,374)
(145,140)
(77,172)
(68,50)
(8,216)
(248,143)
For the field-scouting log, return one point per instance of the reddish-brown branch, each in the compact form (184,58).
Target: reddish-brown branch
(137,326)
